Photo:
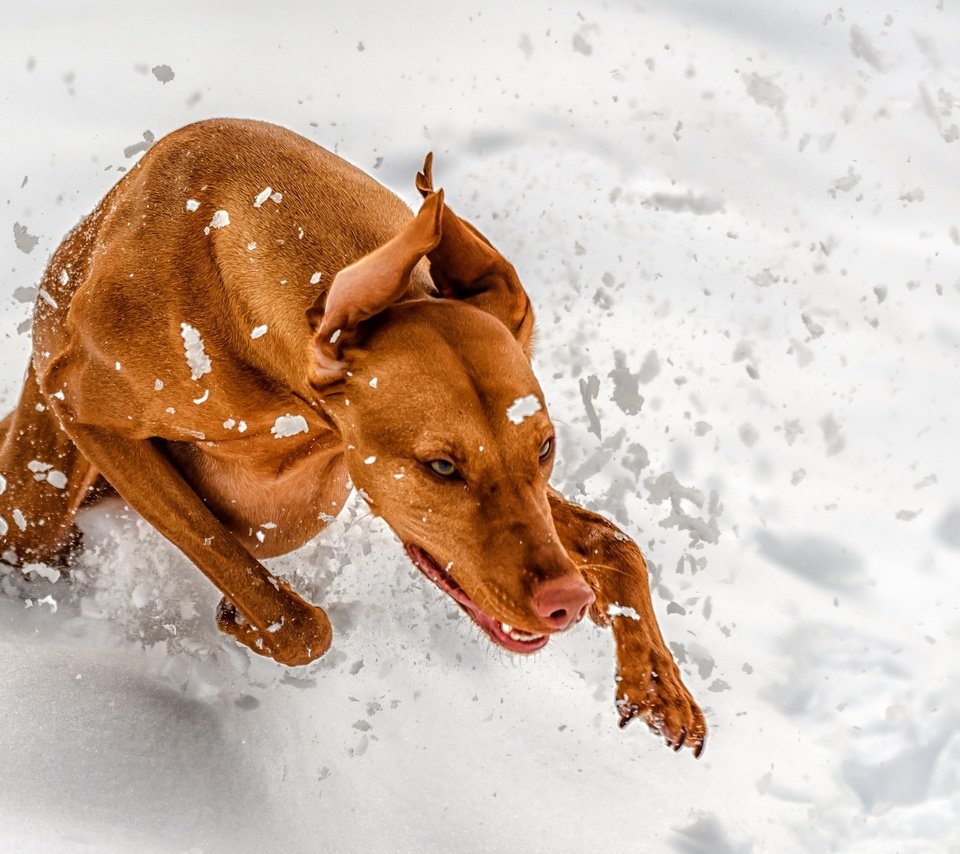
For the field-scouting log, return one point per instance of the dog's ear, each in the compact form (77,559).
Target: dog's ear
(464,265)
(368,286)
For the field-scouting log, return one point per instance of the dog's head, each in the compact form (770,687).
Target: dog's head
(446,431)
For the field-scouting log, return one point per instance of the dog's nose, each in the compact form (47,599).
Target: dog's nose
(561,602)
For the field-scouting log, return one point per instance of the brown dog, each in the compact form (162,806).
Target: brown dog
(245,325)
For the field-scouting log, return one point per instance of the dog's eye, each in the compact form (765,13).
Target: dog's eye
(546,448)
(444,468)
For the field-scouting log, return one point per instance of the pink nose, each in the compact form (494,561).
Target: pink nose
(561,602)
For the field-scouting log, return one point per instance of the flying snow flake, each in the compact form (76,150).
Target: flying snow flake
(163,73)
(523,407)
(262,196)
(192,205)
(288,425)
(24,239)
(197,359)
(259,331)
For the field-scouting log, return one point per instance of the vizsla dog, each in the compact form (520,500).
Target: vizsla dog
(245,326)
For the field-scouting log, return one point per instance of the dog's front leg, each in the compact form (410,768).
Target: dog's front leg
(260,611)
(648,680)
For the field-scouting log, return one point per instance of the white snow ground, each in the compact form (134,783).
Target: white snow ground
(747,214)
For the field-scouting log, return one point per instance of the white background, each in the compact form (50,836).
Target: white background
(762,195)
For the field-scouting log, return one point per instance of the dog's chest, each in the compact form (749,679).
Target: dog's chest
(272,504)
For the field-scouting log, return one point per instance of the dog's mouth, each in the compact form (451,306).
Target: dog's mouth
(513,639)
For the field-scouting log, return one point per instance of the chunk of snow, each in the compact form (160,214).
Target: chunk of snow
(3,484)
(57,479)
(220,219)
(370,460)
(523,407)
(373,382)
(615,609)
(262,196)
(192,205)
(20,519)
(259,331)
(203,397)
(315,278)
(49,300)
(288,425)
(229,424)
(64,277)
(197,358)
(242,427)
(158,385)
(276,198)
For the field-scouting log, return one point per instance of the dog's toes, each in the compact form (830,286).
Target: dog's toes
(667,708)
(297,638)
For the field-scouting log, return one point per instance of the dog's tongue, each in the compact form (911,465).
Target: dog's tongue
(501,635)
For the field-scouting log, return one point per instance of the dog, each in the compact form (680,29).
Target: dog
(245,327)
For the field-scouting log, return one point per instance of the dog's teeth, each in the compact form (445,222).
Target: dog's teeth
(517,635)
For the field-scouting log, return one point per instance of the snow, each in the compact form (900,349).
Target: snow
(615,609)
(315,278)
(259,331)
(262,196)
(197,359)
(522,408)
(220,219)
(287,425)
(674,184)
(192,205)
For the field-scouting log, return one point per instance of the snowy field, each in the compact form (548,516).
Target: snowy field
(740,223)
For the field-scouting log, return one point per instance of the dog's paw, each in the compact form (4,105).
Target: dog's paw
(301,635)
(658,697)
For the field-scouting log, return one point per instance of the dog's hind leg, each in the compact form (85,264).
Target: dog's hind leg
(43,481)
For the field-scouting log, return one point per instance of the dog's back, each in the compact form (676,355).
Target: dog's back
(216,228)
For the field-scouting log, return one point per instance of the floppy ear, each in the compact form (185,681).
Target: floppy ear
(367,287)
(464,265)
